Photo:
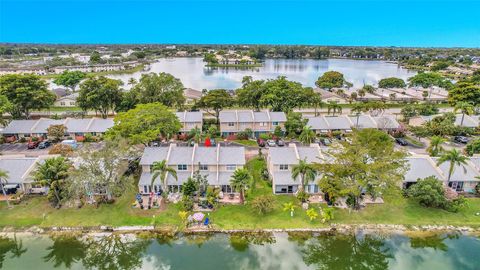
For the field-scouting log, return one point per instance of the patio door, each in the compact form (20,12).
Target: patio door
(456,185)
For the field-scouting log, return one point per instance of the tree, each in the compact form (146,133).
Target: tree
(312,214)
(101,172)
(70,79)
(251,92)
(473,147)
(358,108)
(305,171)
(369,163)
(162,87)
(56,131)
(464,91)
(391,82)
(464,108)
(263,204)
(25,93)
(307,136)
(196,134)
(429,79)
(283,95)
(330,79)
(52,173)
(295,123)
(161,169)
(455,158)
(5,106)
(428,192)
(100,94)
(145,123)
(95,57)
(215,100)
(240,181)
(368,89)
(408,111)
(290,207)
(334,107)
(435,146)
(3,181)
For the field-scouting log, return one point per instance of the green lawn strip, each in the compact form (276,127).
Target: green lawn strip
(246,142)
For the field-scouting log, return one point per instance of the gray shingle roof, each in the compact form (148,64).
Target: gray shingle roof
(261,117)
(421,167)
(152,154)
(386,122)
(231,155)
(100,125)
(17,169)
(189,117)
(338,122)
(364,121)
(278,116)
(205,155)
(284,178)
(228,116)
(19,127)
(73,125)
(43,124)
(318,123)
(282,155)
(461,173)
(180,155)
(310,154)
(245,116)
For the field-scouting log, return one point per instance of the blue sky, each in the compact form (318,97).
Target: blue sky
(424,23)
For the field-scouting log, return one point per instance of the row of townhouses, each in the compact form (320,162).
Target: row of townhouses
(324,124)
(235,121)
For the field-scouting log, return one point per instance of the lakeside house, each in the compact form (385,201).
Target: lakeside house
(19,169)
(329,96)
(216,163)
(189,120)
(344,123)
(234,121)
(76,128)
(280,162)
(191,95)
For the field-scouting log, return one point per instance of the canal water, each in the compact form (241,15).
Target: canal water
(194,74)
(241,251)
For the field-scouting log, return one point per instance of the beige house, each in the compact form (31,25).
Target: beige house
(190,120)
(216,163)
(191,95)
(232,122)
(66,101)
(329,96)
(280,163)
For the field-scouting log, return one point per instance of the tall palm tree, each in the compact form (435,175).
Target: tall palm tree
(435,146)
(464,108)
(307,136)
(4,181)
(306,172)
(357,109)
(52,173)
(455,158)
(240,180)
(160,168)
(333,107)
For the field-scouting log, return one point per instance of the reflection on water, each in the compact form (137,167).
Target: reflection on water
(241,251)
(193,73)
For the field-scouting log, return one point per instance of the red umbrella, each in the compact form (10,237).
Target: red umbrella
(208,143)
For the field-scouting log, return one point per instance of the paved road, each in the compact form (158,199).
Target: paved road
(21,149)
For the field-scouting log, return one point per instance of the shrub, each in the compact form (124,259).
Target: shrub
(189,187)
(457,204)
(429,192)
(263,204)
(22,139)
(244,135)
(473,147)
(264,136)
(61,149)
(312,214)
(187,203)
(302,196)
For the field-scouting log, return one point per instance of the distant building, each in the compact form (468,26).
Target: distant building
(192,95)
(231,122)
(190,120)
(66,101)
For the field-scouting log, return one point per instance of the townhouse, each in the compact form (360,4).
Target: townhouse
(469,121)
(281,161)
(20,169)
(216,163)
(189,120)
(325,124)
(234,121)
(76,128)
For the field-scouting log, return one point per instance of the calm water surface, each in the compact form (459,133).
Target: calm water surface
(258,251)
(193,73)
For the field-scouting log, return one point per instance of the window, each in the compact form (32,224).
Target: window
(263,124)
(62,103)
(231,167)
(72,103)
(182,167)
(203,167)
(275,123)
(231,124)
(283,167)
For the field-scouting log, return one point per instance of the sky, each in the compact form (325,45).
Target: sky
(406,23)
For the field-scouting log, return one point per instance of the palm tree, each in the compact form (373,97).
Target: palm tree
(160,168)
(435,146)
(132,81)
(357,109)
(240,180)
(306,172)
(333,107)
(307,136)
(464,108)
(196,134)
(4,181)
(455,158)
(52,173)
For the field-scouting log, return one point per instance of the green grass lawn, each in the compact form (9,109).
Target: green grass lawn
(395,210)
(246,142)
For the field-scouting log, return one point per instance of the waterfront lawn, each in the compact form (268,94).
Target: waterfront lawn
(396,210)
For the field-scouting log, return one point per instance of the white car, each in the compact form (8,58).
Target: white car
(271,143)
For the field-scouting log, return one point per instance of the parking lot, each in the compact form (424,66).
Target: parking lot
(21,149)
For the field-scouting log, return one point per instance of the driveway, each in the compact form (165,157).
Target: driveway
(21,149)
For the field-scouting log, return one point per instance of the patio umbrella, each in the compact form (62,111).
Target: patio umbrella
(198,216)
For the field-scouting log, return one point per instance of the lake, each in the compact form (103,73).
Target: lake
(242,251)
(193,73)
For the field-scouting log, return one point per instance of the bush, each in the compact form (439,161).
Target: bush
(244,135)
(302,196)
(187,203)
(189,187)
(457,204)
(264,136)
(477,188)
(473,147)
(429,192)
(263,204)
(61,149)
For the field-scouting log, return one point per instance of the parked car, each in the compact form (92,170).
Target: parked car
(44,144)
(32,144)
(401,141)
(261,143)
(71,143)
(325,141)
(271,143)
(461,139)
(280,143)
